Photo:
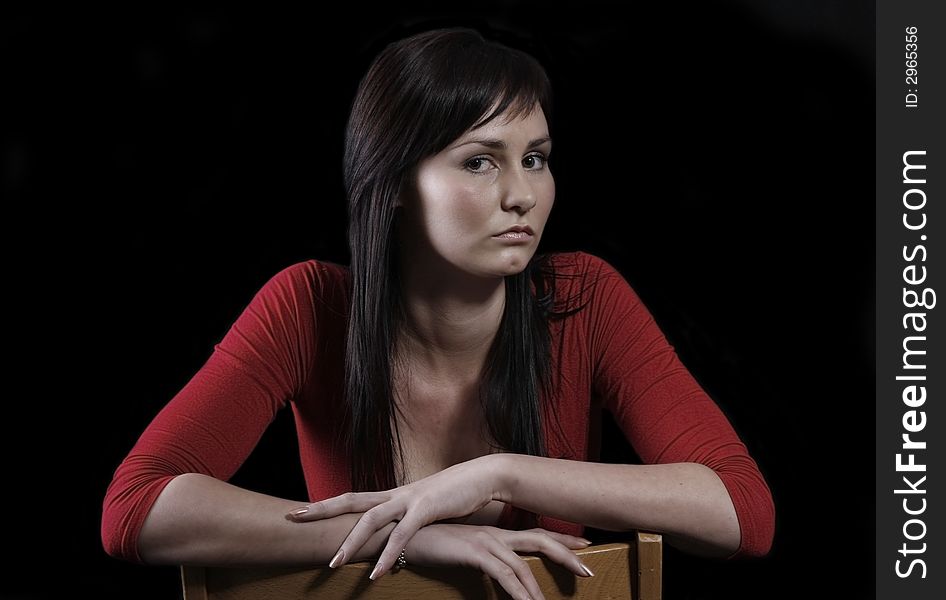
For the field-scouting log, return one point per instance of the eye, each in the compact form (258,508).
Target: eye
(475,164)
(532,159)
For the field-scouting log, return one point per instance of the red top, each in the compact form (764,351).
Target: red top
(287,346)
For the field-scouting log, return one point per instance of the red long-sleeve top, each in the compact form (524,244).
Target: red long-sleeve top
(287,348)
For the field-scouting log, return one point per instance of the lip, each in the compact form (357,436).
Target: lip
(517,229)
(515,235)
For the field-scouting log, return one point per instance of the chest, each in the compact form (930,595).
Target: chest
(438,428)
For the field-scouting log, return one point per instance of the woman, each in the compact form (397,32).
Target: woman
(445,385)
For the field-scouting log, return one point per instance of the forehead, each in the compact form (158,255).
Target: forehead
(530,125)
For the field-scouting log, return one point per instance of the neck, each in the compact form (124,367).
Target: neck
(451,320)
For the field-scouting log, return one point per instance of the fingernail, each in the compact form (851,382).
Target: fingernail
(585,568)
(376,572)
(584,541)
(299,511)
(338,557)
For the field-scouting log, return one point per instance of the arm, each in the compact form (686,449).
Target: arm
(686,442)
(202,521)
(213,423)
(685,501)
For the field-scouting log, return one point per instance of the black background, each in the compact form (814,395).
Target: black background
(158,167)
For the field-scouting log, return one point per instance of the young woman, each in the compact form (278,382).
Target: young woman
(446,386)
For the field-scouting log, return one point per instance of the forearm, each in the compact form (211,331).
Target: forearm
(202,521)
(685,501)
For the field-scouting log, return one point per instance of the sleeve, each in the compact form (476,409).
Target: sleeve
(662,410)
(213,423)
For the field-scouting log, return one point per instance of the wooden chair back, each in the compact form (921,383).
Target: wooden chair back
(623,571)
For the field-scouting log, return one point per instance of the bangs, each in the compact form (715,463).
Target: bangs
(518,93)
(470,84)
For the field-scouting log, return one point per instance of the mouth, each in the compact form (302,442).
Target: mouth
(517,231)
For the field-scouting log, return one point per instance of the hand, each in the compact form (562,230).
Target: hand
(457,491)
(493,551)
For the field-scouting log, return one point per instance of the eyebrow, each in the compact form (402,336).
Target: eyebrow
(494,143)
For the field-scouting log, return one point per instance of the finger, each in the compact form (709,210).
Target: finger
(570,541)
(348,502)
(364,528)
(506,576)
(520,567)
(397,541)
(527,541)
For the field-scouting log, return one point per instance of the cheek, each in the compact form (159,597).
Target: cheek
(545,193)
(550,191)
(454,207)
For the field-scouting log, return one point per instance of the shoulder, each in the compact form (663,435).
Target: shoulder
(580,264)
(580,275)
(318,281)
(312,270)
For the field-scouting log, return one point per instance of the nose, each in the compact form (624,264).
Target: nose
(518,195)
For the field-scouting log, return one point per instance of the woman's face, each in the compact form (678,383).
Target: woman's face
(489,180)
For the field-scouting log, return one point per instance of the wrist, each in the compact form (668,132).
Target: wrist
(498,472)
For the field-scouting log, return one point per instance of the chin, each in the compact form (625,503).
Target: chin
(489,264)
(515,263)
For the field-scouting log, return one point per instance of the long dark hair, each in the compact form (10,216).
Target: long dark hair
(420,94)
